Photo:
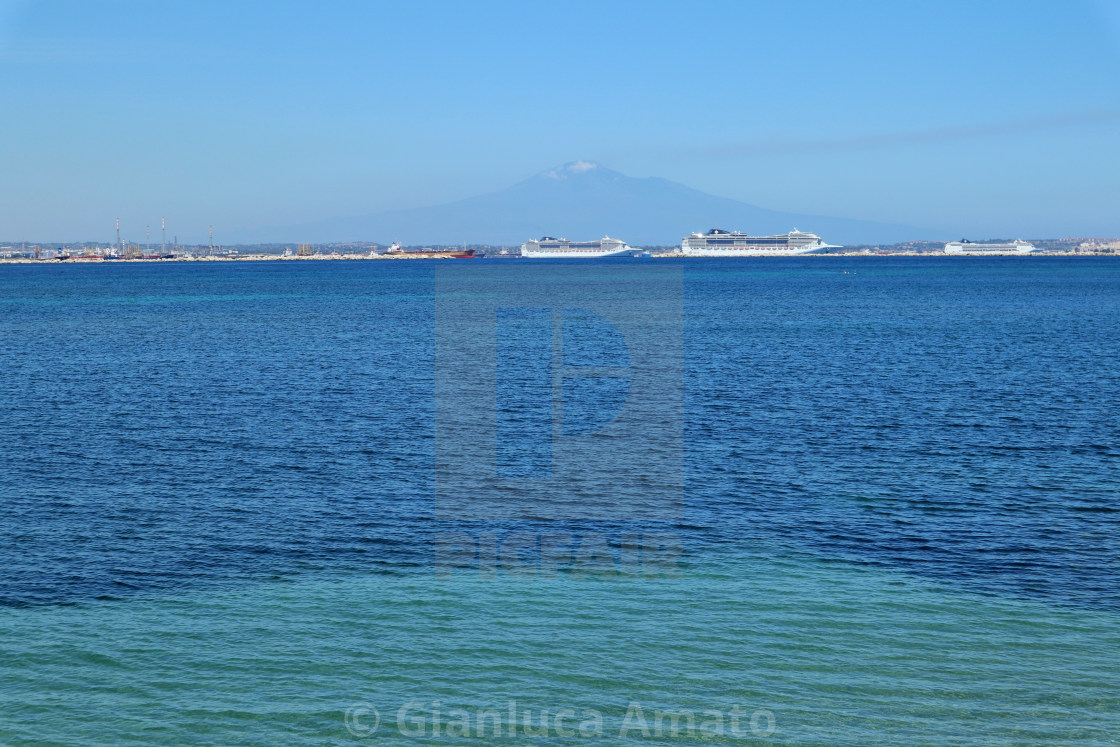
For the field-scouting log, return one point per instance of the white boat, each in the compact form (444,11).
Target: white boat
(720,243)
(548,247)
(964,246)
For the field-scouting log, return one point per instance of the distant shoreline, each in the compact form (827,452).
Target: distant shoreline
(395,257)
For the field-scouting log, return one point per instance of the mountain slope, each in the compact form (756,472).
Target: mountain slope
(583,201)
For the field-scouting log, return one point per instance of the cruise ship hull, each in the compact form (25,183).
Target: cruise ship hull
(1010,247)
(747,251)
(543,254)
(720,243)
(549,248)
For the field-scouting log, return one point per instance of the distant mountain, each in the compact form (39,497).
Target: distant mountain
(582,201)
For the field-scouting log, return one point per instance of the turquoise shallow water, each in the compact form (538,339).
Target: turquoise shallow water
(899,519)
(838,655)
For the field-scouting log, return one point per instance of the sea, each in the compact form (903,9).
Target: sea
(886,499)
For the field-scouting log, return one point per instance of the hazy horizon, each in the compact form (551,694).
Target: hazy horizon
(984,121)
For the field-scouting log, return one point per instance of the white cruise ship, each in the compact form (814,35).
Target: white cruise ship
(549,247)
(720,243)
(964,246)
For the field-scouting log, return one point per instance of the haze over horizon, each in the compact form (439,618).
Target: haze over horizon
(582,200)
(984,120)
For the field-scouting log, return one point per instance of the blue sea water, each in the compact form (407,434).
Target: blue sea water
(899,525)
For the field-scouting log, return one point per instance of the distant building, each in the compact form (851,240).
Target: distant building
(1109,246)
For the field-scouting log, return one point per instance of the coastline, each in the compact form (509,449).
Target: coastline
(366,257)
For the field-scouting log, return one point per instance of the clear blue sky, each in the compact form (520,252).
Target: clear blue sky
(982,118)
